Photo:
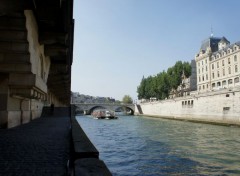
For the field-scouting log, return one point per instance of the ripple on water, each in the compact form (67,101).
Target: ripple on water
(147,146)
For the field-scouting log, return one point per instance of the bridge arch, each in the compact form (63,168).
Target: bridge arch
(128,109)
(95,108)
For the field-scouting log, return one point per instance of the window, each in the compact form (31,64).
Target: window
(199,87)
(205,60)
(230,81)
(224,82)
(199,79)
(236,68)
(222,62)
(223,72)
(202,78)
(199,71)
(212,66)
(235,58)
(218,74)
(206,76)
(218,84)
(235,48)
(206,68)
(202,69)
(199,64)
(191,102)
(213,85)
(202,62)
(203,87)
(213,75)
(217,64)
(229,70)
(236,80)
(228,51)
(229,61)
(182,103)
(207,86)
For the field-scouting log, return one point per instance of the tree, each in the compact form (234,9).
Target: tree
(160,86)
(127,99)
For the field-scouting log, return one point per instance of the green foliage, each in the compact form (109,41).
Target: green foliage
(127,99)
(160,86)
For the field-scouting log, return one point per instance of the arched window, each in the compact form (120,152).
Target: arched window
(218,84)
(213,85)
(230,81)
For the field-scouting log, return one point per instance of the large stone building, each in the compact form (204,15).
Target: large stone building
(36,43)
(217,65)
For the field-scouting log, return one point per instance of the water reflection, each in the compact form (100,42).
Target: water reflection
(148,146)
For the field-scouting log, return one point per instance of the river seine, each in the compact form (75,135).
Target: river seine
(134,145)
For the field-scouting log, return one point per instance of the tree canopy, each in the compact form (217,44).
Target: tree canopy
(127,99)
(159,86)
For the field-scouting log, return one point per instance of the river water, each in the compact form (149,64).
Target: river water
(134,145)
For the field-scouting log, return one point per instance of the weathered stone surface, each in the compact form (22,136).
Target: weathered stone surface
(214,107)
(40,147)
(83,147)
(91,167)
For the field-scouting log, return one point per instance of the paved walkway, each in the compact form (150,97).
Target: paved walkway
(40,147)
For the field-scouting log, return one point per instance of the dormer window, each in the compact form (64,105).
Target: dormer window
(228,51)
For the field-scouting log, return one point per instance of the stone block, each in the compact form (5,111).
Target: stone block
(91,167)
(26,117)
(14,118)
(83,147)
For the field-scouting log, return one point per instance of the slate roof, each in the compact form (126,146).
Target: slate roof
(211,42)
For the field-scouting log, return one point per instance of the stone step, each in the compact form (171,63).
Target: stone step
(13,46)
(12,23)
(14,58)
(15,68)
(13,35)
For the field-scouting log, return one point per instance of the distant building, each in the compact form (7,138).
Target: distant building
(81,98)
(217,64)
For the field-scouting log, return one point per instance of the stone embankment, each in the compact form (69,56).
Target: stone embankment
(216,107)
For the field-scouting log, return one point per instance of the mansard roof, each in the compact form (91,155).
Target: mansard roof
(211,42)
(226,48)
(224,40)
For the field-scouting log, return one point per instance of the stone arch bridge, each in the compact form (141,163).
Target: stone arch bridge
(88,108)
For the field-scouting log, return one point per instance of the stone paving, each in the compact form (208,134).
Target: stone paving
(40,147)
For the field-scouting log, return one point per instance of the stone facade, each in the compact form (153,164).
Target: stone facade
(218,107)
(36,44)
(218,65)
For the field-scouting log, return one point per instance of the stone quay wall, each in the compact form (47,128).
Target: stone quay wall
(220,107)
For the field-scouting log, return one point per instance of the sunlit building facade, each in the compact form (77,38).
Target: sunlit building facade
(217,65)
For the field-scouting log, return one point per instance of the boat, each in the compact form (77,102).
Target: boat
(103,114)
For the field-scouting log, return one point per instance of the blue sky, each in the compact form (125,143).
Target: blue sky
(117,42)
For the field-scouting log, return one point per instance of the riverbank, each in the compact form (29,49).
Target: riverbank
(217,107)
